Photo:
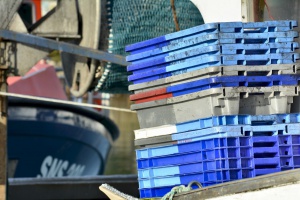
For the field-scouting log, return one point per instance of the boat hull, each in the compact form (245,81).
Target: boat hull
(49,141)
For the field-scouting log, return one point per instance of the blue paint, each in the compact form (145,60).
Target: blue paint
(63,134)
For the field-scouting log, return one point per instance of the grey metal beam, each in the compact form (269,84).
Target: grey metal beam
(40,42)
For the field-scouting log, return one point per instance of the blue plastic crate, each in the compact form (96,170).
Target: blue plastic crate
(182,54)
(265,160)
(191,157)
(217,82)
(231,27)
(174,180)
(211,177)
(200,62)
(205,150)
(235,131)
(212,47)
(213,121)
(192,168)
(254,120)
(232,81)
(206,43)
(267,26)
(197,146)
(209,57)
(195,141)
(214,37)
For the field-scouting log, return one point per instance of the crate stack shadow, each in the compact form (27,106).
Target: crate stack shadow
(214,104)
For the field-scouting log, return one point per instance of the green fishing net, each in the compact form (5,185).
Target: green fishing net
(133,21)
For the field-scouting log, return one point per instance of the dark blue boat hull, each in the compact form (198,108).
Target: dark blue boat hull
(55,141)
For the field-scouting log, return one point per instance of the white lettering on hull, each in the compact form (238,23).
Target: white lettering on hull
(54,167)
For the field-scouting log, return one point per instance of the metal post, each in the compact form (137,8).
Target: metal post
(3,135)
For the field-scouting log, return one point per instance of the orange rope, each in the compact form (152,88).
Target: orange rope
(269,12)
(174,15)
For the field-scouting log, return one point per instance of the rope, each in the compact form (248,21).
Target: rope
(179,189)
(65,102)
(174,15)
(269,12)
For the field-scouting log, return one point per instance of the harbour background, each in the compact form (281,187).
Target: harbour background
(121,159)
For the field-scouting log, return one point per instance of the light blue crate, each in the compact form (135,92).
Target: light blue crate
(204,61)
(222,38)
(205,166)
(156,152)
(187,147)
(202,39)
(208,48)
(201,42)
(268,26)
(236,131)
(176,55)
(197,136)
(238,120)
(214,177)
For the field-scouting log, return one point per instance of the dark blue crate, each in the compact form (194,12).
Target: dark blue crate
(296,149)
(296,161)
(286,162)
(154,192)
(212,154)
(259,172)
(267,162)
(285,150)
(175,170)
(160,192)
(170,160)
(191,168)
(217,176)
(223,170)
(247,164)
(295,139)
(176,180)
(265,150)
(284,140)
(248,173)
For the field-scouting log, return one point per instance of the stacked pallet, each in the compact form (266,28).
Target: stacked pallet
(213,104)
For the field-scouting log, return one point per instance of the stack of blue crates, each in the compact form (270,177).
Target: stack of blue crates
(176,147)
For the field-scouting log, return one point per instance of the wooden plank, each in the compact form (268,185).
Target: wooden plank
(3,135)
(261,182)
(62,188)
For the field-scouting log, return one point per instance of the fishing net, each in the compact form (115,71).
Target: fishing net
(138,20)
